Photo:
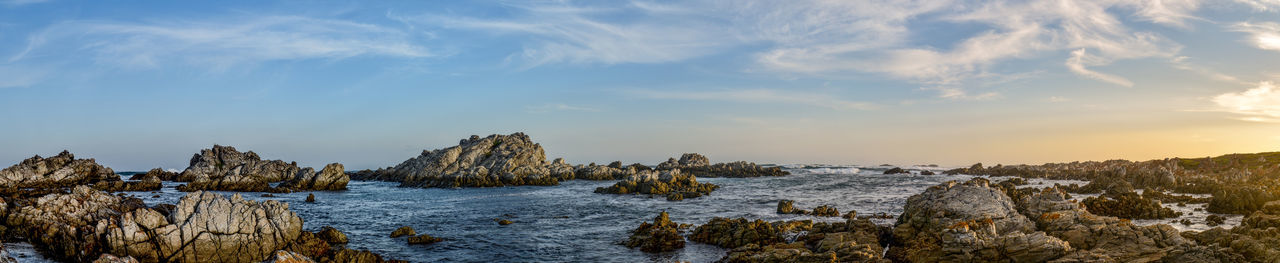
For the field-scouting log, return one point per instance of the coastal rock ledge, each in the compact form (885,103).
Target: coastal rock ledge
(493,161)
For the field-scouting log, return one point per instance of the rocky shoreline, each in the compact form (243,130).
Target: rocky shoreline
(65,208)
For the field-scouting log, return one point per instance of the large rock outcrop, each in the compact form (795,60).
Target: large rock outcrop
(205,227)
(1256,239)
(673,184)
(69,226)
(496,160)
(699,165)
(1107,238)
(225,169)
(61,170)
(962,221)
(332,177)
(1128,205)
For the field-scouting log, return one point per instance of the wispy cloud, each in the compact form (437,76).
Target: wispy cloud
(758,96)
(1264,35)
(553,107)
(1262,5)
(1260,104)
(219,43)
(1080,58)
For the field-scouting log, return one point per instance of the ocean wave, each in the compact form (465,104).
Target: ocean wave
(833,170)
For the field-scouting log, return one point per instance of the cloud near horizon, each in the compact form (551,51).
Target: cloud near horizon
(1260,104)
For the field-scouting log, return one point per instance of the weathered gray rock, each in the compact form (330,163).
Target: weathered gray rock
(69,226)
(1093,236)
(156,173)
(109,258)
(600,173)
(496,160)
(61,170)
(146,184)
(969,221)
(699,165)
(561,170)
(225,169)
(660,236)
(205,227)
(283,256)
(330,178)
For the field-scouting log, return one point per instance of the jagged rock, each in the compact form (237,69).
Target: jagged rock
(69,226)
(332,235)
(310,245)
(733,233)
(1102,237)
(660,236)
(403,231)
(331,178)
(1240,200)
(561,170)
(1129,206)
(824,210)
(205,227)
(788,207)
(670,183)
(897,170)
(596,172)
(423,239)
(1214,220)
(687,160)
(496,160)
(147,184)
(502,222)
(957,221)
(156,173)
(109,258)
(311,198)
(62,170)
(699,165)
(223,168)
(282,256)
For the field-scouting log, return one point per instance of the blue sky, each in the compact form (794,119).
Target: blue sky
(145,84)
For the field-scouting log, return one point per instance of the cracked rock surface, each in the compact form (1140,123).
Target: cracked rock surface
(206,227)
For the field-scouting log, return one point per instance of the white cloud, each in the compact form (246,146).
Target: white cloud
(557,107)
(1262,5)
(1264,35)
(1260,104)
(1080,58)
(758,96)
(219,44)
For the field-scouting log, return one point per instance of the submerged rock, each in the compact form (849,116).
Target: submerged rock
(312,246)
(496,160)
(61,170)
(156,173)
(896,170)
(423,239)
(788,207)
(311,198)
(204,227)
(330,178)
(673,184)
(660,236)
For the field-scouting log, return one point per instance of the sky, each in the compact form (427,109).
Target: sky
(143,84)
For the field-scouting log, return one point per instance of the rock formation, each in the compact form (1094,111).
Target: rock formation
(403,231)
(788,207)
(332,177)
(673,184)
(850,241)
(660,236)
(223,168)
(423,239)
(496,160)
(957,221)
(156,173)
(205,227)
(313,246)
(146,184)
(70,226)
(1128,206)
(699,165)
(897,170)
(62,170)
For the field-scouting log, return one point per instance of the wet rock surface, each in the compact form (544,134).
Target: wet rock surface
(1128,206)
(788,207)
(673,184)
(660,236)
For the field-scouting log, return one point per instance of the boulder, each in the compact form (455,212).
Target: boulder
(660,236)
(403,231)
(332,235)
(205,227)
(733,233)
(496,160)
(699,165)
(896,170)
(788,207)
(282,256)
(61,170)
(146,184)
(331,178)
(561,170)
(155,173)
(423,239)
(824,210)
(1103,237)
(599,173)
(311,198)
(311,245)
(673,184)
(223,168)
(109,258)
